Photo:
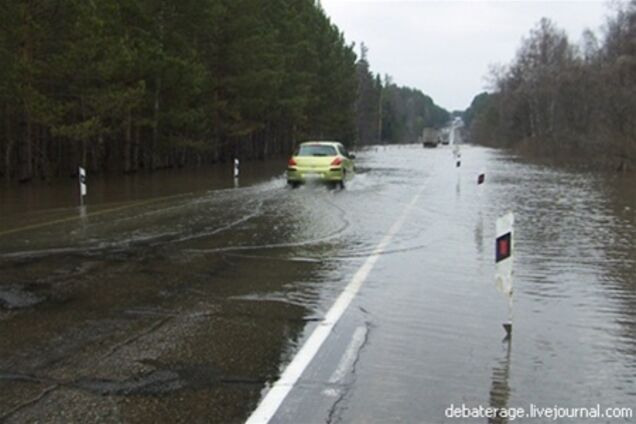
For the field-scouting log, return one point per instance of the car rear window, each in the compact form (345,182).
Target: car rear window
(316,150)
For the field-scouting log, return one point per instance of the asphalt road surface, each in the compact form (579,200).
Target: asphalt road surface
(185,297)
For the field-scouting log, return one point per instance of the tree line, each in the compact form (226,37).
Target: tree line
(127,85)
(388,113)
(124,85)
(561,99)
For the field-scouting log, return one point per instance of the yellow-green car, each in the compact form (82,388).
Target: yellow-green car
(324,161)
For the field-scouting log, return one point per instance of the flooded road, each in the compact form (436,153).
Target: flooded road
(179,297)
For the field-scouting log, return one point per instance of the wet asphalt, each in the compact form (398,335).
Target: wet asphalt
(182,297)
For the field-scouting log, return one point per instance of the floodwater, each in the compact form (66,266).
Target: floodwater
(182,295)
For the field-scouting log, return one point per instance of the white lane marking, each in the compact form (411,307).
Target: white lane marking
(348,359)
(279,391)
(349,356)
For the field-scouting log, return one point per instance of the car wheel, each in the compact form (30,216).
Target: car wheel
(341,183)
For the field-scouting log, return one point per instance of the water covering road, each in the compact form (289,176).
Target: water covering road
(178,297)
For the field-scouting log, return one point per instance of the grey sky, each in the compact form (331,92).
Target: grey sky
(444,48)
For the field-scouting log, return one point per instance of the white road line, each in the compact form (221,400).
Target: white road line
(349,356)
(345,365)
(279,391)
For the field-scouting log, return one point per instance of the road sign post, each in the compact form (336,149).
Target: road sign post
(504,248)
(457,154)
(82,184)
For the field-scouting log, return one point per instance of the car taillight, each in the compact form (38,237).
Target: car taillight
(336,162)
(291,162)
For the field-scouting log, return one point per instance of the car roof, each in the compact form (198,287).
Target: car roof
(322,143)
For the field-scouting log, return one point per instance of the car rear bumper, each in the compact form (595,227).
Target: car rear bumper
(300,175)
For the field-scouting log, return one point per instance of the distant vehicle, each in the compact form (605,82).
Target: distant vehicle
(445,139)
(322,161)
(430,137)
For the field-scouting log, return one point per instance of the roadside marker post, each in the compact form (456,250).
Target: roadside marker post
(481,178)
(457,155)
(236,172)
(82,184)
(504,249)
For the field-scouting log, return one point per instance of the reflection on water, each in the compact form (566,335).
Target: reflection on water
(439,324)
(575,281)
(27,202)
(500,388)
(192,270)
(479,234)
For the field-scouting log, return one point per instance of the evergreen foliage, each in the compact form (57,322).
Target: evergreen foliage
(126,85)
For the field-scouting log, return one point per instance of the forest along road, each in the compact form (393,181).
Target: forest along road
(161,303)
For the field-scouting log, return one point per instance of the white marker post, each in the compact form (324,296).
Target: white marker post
(504,246)
(236,172)
(82,184)
(236,167)
(457,154)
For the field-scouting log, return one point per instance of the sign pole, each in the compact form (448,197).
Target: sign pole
(82,184)
(457,154)
(236,172)
(504,245)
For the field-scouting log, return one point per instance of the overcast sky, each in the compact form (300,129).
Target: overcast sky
(445,47)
